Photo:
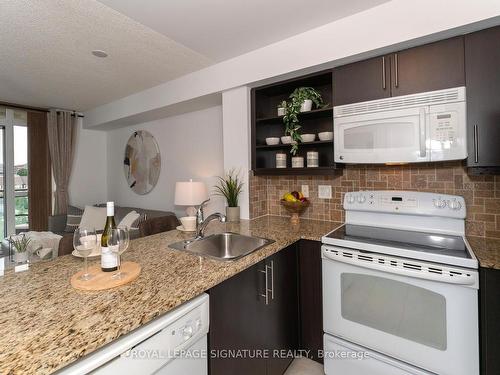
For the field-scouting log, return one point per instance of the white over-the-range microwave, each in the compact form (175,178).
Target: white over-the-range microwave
(423,127)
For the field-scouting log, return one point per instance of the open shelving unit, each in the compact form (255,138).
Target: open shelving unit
(266,123)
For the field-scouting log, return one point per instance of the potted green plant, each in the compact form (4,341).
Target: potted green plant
(297,104)
(306,96)
(282,108)
(230,187)
(20,244)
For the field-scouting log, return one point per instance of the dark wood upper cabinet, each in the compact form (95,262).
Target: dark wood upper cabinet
(430,67)
(362,81)
(482,70)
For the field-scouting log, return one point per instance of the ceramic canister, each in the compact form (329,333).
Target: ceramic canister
(312,159)
(297,162)
(281,160)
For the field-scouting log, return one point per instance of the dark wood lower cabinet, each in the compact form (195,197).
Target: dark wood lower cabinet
(489,320)
(241,320)
(282,314)
(236,323)
(311,299)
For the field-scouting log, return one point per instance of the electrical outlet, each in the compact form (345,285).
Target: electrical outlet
(305,190)
(324,192)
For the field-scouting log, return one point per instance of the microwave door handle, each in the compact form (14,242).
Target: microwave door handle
(421,130)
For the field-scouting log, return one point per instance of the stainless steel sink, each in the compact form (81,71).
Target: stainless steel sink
(222,246)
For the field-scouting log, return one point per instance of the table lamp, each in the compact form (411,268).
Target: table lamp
(190,193)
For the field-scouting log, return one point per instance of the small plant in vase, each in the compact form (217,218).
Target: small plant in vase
(305,97)
(20,244)
(282,108)
(230,187)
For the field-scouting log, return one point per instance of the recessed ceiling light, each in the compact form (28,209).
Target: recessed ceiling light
(99,53)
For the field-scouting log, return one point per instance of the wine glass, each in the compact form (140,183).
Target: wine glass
(118,242)
(84,242)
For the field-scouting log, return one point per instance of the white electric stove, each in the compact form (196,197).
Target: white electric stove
(400,284)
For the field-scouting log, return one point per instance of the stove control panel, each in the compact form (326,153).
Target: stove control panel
(406,202)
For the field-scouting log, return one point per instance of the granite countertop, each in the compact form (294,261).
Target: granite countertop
(487,251)
(45,324)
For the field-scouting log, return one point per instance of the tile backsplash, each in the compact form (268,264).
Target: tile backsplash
(481,193)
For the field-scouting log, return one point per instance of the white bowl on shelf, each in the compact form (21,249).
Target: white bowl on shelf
(308,137)
(286,140)
(271,141)
(325,136)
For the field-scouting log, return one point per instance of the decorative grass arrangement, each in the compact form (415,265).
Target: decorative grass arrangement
(230,188)
(20,243)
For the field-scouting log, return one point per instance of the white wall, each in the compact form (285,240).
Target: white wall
(88,183)
(390,26)
(190,147)
(236,136)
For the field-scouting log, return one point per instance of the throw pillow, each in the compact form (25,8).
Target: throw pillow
(129,219)
(74,217)
(93,217)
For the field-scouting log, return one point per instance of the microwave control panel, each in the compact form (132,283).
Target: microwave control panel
(444,127)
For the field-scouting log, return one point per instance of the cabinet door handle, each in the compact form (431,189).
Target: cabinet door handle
(272,279)
(383,73)
(476,145)
(396,70)
(266,295)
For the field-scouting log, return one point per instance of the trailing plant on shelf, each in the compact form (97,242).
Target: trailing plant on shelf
(293,108)
(302,94)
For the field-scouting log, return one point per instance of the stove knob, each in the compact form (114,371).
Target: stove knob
(455,205)
(187,332)
(350,199)
(439,203)
(361,199)
(197,324)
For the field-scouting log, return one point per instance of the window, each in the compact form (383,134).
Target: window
(13,171)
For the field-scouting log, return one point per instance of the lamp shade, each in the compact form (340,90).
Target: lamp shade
(190,193)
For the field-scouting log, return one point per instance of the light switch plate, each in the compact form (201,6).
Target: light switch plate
(324,192)
(305,190)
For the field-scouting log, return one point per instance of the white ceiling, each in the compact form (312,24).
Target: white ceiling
(46,60)
(221,29)
(45,45)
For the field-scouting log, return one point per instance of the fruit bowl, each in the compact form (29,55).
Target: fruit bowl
(295,208)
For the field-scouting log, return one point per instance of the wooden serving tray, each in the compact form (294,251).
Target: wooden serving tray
(103,280)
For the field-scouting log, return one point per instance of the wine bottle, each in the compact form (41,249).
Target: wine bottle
(109,262)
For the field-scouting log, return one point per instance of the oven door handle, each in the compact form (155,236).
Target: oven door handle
(455,279)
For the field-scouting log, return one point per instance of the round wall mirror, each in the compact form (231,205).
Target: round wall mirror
(142,162)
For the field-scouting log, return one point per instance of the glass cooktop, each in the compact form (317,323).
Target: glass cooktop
(434,243)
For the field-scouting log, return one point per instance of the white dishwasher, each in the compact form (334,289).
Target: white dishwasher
(173,344)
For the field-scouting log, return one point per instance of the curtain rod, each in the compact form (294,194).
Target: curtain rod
(37,109)
(73,113)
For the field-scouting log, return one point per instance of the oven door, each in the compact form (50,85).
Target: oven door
(394,136)
(423,318)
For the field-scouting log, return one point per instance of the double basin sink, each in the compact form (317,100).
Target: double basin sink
(222,246)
